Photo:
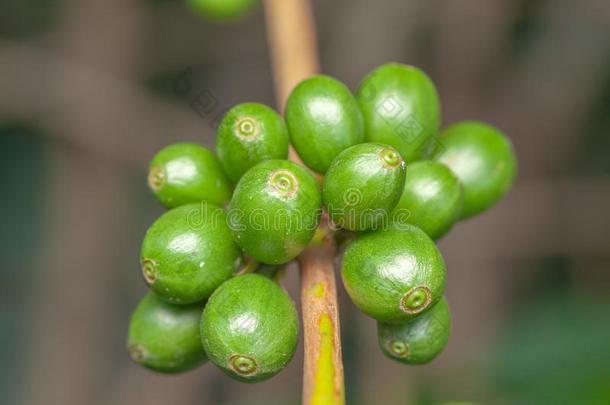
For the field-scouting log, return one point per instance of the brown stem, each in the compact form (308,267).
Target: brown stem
(323,367)
(292,40)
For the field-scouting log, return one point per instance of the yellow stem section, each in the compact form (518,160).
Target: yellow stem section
(323,388)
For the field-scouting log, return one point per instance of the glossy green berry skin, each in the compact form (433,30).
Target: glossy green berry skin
(432,198)
(249,328)
(165,337)
(395,274)
(363,185)
(401,108)
(185,173)
(417,341)
(484,161)
(275,211)
(323,119)
(222,10)
(188,252)
(249,134)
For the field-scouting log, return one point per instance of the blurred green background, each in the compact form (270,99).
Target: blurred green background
(90,89)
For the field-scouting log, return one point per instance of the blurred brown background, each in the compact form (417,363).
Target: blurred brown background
(90,89)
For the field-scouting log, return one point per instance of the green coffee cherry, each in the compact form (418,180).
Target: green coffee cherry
(165,337)
(249,134)
(484,161)
(432,198)
(401,108)
(275,211)
(363,185)
(395,274)
(323,119)
(222,10)
(188,252)
(185,173)
(417,341)
(249,328)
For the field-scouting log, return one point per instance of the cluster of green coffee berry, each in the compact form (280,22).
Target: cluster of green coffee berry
(377,168)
